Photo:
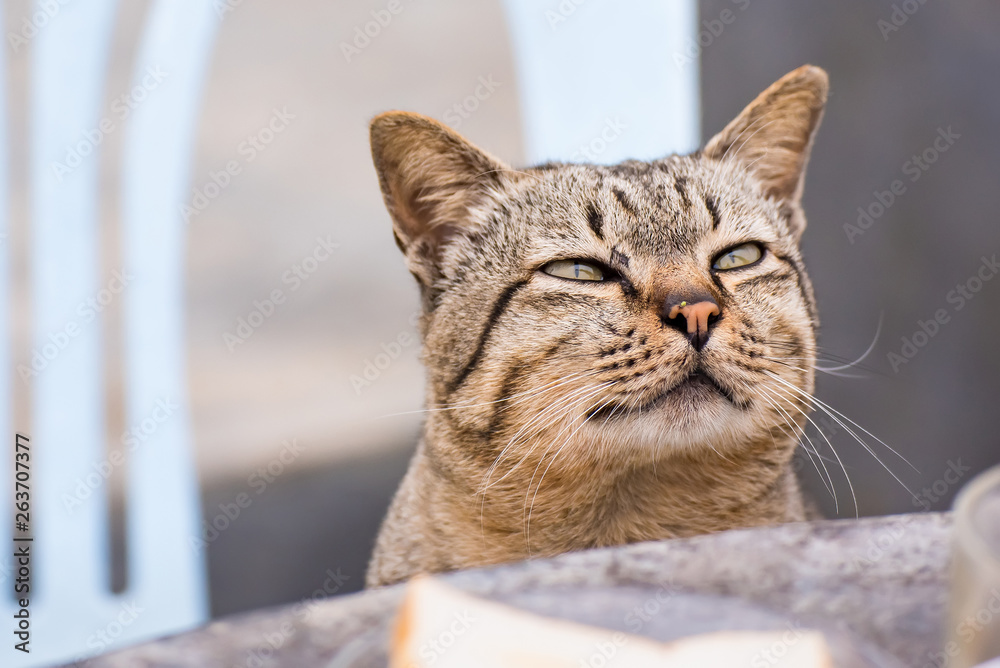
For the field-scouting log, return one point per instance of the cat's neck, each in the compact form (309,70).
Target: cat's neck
(540,508)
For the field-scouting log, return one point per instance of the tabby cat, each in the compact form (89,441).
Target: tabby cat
(614,353)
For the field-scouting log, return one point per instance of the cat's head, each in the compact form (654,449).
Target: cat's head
(621,311)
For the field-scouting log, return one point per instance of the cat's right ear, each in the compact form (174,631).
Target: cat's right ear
(430,177)
(773,136)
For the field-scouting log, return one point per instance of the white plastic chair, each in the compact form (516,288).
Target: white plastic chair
(73,613)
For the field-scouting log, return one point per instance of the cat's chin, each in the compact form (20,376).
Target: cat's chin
(689,397)
(705,427)
(697,413)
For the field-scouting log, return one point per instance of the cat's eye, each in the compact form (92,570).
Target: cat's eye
(575,270)
(741,256)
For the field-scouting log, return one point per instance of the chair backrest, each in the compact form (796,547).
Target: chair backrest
(73,613)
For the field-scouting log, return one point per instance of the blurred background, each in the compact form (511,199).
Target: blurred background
(313,413)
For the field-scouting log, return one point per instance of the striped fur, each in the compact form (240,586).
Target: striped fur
(553,422)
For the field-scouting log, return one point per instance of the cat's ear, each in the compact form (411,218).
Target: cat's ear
(430,177)
(772,137)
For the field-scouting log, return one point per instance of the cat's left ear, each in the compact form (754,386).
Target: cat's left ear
(430,178)
(773,136)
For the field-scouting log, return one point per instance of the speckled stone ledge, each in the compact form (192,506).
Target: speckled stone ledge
(882,580)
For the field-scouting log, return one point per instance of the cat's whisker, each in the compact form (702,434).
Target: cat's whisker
(790,357)
(721,456)
(878,331)
(833,413)
(547,448)
(811,449)
(781,361)
(553,408)
(552,413)
(486,484)
(527,528)
(843,468)
(813,349)
(551,386)
(534,393)
(772,400)
(829,357)
(484,487)
(527,395)
(831,487)
(834,410)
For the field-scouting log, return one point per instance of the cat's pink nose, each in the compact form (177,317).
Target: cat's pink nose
(699,318)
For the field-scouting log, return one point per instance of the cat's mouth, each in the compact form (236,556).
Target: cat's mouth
(696,387)
(696,382)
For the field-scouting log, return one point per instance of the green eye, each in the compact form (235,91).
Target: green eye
(574,270)
(737,257)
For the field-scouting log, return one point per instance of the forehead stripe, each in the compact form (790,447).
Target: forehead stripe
(680,185)
(624,202)
(713,209)
(595,220)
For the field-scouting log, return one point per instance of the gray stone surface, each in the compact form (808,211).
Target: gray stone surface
(878,586)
